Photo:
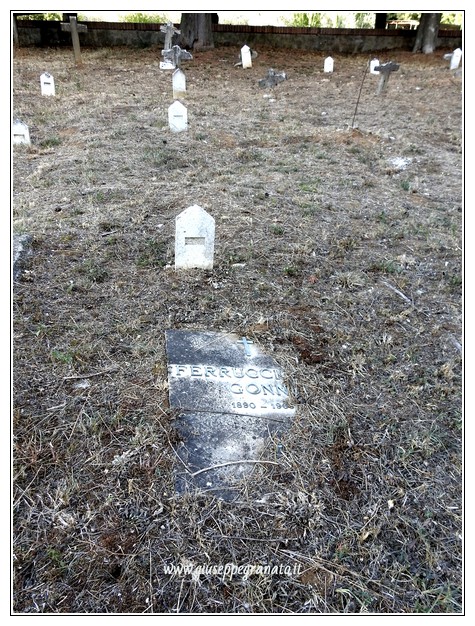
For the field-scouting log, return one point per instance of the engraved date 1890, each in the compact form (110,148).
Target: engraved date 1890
(264,404)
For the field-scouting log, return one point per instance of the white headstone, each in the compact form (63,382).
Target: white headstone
(177,117)
(20,133)
(374,63)
(246,57)
(455,59)
(179,84)
(47,84)
(328,65)
(194,239)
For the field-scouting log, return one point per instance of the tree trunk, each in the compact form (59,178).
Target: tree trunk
(380,21)
(196,31)
(427,31)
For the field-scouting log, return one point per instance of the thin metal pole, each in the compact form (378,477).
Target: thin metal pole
(359,95)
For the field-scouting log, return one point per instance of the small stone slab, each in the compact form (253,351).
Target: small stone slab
(21,249)
(230,398)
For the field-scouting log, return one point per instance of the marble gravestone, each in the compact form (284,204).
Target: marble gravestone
(179,84)
(194,239)
(246,58)
(20,133)
(373,64)
(47,84)
(328,65)
(231,404)
(455,59)
(177,117)
(169,30)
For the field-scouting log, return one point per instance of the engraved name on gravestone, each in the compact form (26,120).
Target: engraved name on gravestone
(194,239)
(230,398)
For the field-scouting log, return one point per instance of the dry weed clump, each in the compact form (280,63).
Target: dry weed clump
(338,251)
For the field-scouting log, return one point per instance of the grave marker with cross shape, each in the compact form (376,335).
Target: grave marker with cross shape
(246,343)
(74,28)
(174,56)
(385,71)
(169,31)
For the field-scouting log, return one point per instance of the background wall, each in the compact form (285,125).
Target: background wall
(343,40)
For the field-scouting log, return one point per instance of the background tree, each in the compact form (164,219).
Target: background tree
(305,19)
(427,31)
(196,31)
(380,20)
(364,20)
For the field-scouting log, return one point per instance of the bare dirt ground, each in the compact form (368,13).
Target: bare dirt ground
(338,250)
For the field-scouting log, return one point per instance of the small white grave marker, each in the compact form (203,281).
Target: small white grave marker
(246,57)
(47,84)
(373,63)
(194,239)
(455,59)
(20,133)
(177,117)
(179,84)
(328,65)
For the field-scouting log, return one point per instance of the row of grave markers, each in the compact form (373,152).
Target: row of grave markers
(177,112)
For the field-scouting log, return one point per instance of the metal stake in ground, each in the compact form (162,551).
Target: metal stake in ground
(385,70)
(74,28)
(359,96)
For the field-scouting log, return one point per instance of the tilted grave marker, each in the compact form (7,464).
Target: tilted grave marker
(74,28)
(47,84)
(230,398)
(179,84)
(177,117)
(385,71)
(174,56)
(272,79)
(328,65)
(20,133)
(455,59)
(194,239)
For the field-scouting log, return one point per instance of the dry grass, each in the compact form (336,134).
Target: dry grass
(338,250)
